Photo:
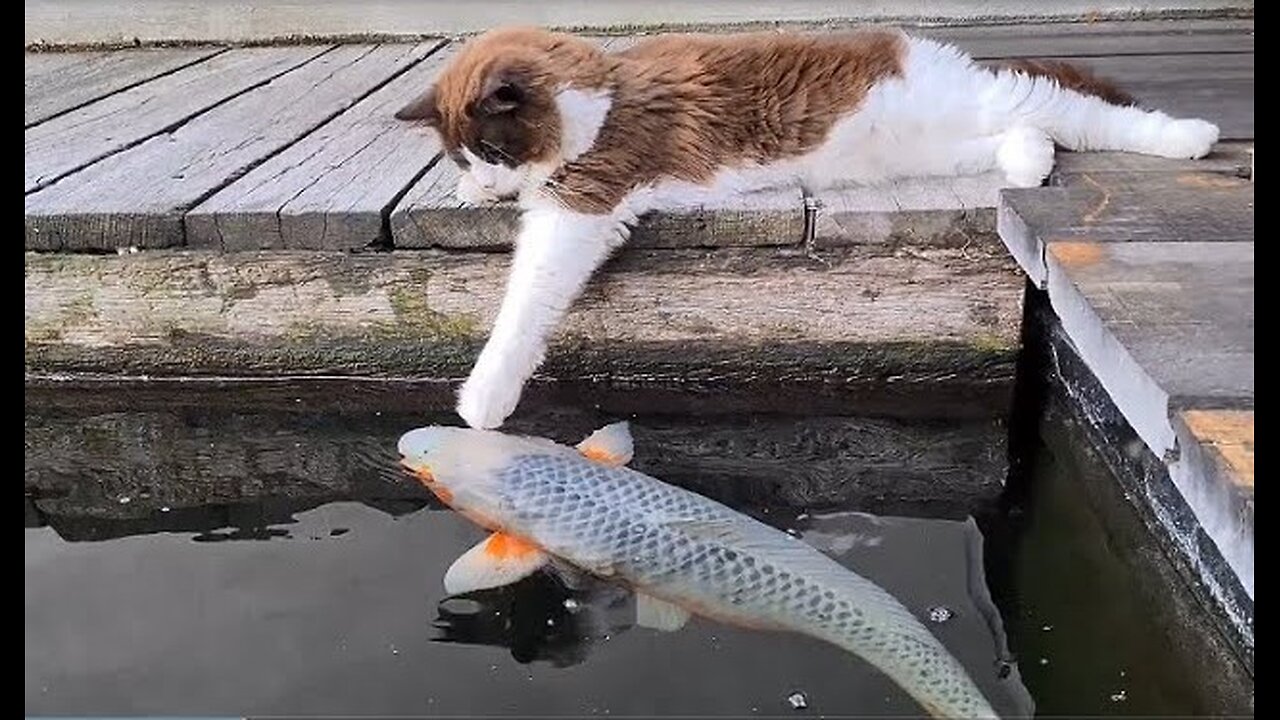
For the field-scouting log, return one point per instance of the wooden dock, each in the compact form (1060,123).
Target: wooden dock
(216,212)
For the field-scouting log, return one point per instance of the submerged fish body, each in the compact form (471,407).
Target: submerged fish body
(680,551)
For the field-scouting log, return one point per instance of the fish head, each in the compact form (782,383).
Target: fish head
(464,466)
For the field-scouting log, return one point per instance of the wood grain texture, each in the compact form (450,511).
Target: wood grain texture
(58,82)
(944,212)
(1228,158)
(1125,207)
(332,189)
(429,216)
(684,318)
(137,197)
(1071,40)
(72,141)
(1182,311)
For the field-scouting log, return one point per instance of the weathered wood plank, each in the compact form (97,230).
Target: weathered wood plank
(862,322)
(137,197)
(72,141)
(1125,207)
(1163,325)
(333,188)
(1068,40)
(1229,158)
(947,212)
(58,82)
(430,216)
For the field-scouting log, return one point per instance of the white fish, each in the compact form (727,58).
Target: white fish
(682,553)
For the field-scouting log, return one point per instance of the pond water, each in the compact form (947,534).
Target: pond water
(208,564)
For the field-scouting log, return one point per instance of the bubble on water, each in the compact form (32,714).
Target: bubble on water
(940,613)
(164,508)
(792,532)
(1119,696)
(798,700)
(551,622)
(126,500)
(802,516)
(570,604)
(1044,661)
(395,650)
(1046,628)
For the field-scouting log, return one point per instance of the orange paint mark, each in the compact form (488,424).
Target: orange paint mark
(1230,433)
(502,545)
(1076,253)
(442,492)
(600,456)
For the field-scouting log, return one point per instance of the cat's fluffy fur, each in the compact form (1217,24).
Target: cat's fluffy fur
(588,141)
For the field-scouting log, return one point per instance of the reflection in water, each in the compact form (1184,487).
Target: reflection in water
(539,619)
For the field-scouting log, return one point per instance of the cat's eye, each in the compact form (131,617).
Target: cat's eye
(491,154)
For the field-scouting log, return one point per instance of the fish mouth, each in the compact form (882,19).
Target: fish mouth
(420,470)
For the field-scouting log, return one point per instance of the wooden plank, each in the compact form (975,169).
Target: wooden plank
(58,82)
(864,325)
(1162,325)
(334,188)
(67,143)
(430,216)
(1229,158)
(1125,207)
(137,197)
(943,212)
(1071,40)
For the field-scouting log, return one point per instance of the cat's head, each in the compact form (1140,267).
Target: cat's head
(507,108)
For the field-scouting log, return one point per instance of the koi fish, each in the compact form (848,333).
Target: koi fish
(549,504)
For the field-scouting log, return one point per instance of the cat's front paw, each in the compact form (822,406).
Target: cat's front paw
(1189,139)
(470,192)
(485,401)
(1026,157)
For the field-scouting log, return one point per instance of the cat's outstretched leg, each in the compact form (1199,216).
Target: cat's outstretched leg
(1084,122)
(1026,156)
(556,252)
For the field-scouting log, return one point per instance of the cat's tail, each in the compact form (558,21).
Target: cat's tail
(1081,111)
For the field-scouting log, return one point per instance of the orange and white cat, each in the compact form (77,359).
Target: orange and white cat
(587,141)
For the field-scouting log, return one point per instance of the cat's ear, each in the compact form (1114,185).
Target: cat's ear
(505,90)
(422,108)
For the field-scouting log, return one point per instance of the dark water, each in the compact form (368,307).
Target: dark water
(216,566)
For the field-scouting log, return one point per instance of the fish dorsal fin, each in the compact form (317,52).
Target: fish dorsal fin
(652,612)
(498,560)
(610,445)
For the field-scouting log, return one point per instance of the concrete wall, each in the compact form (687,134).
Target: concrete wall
(94,21)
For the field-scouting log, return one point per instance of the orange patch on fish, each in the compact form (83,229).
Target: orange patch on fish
(602,456)
(502,545)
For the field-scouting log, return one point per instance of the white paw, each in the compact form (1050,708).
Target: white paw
(1189,139)
(470,192)
(1026,157)
(485,400)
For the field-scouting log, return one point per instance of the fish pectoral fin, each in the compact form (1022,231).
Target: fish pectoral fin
(498,560)
(610,445)
(657,614)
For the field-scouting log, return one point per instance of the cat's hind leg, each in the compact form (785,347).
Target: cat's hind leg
(1025,156)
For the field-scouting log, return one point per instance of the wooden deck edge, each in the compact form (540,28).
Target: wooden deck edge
(863,328)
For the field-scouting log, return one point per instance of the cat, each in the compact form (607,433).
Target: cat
(588,141)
